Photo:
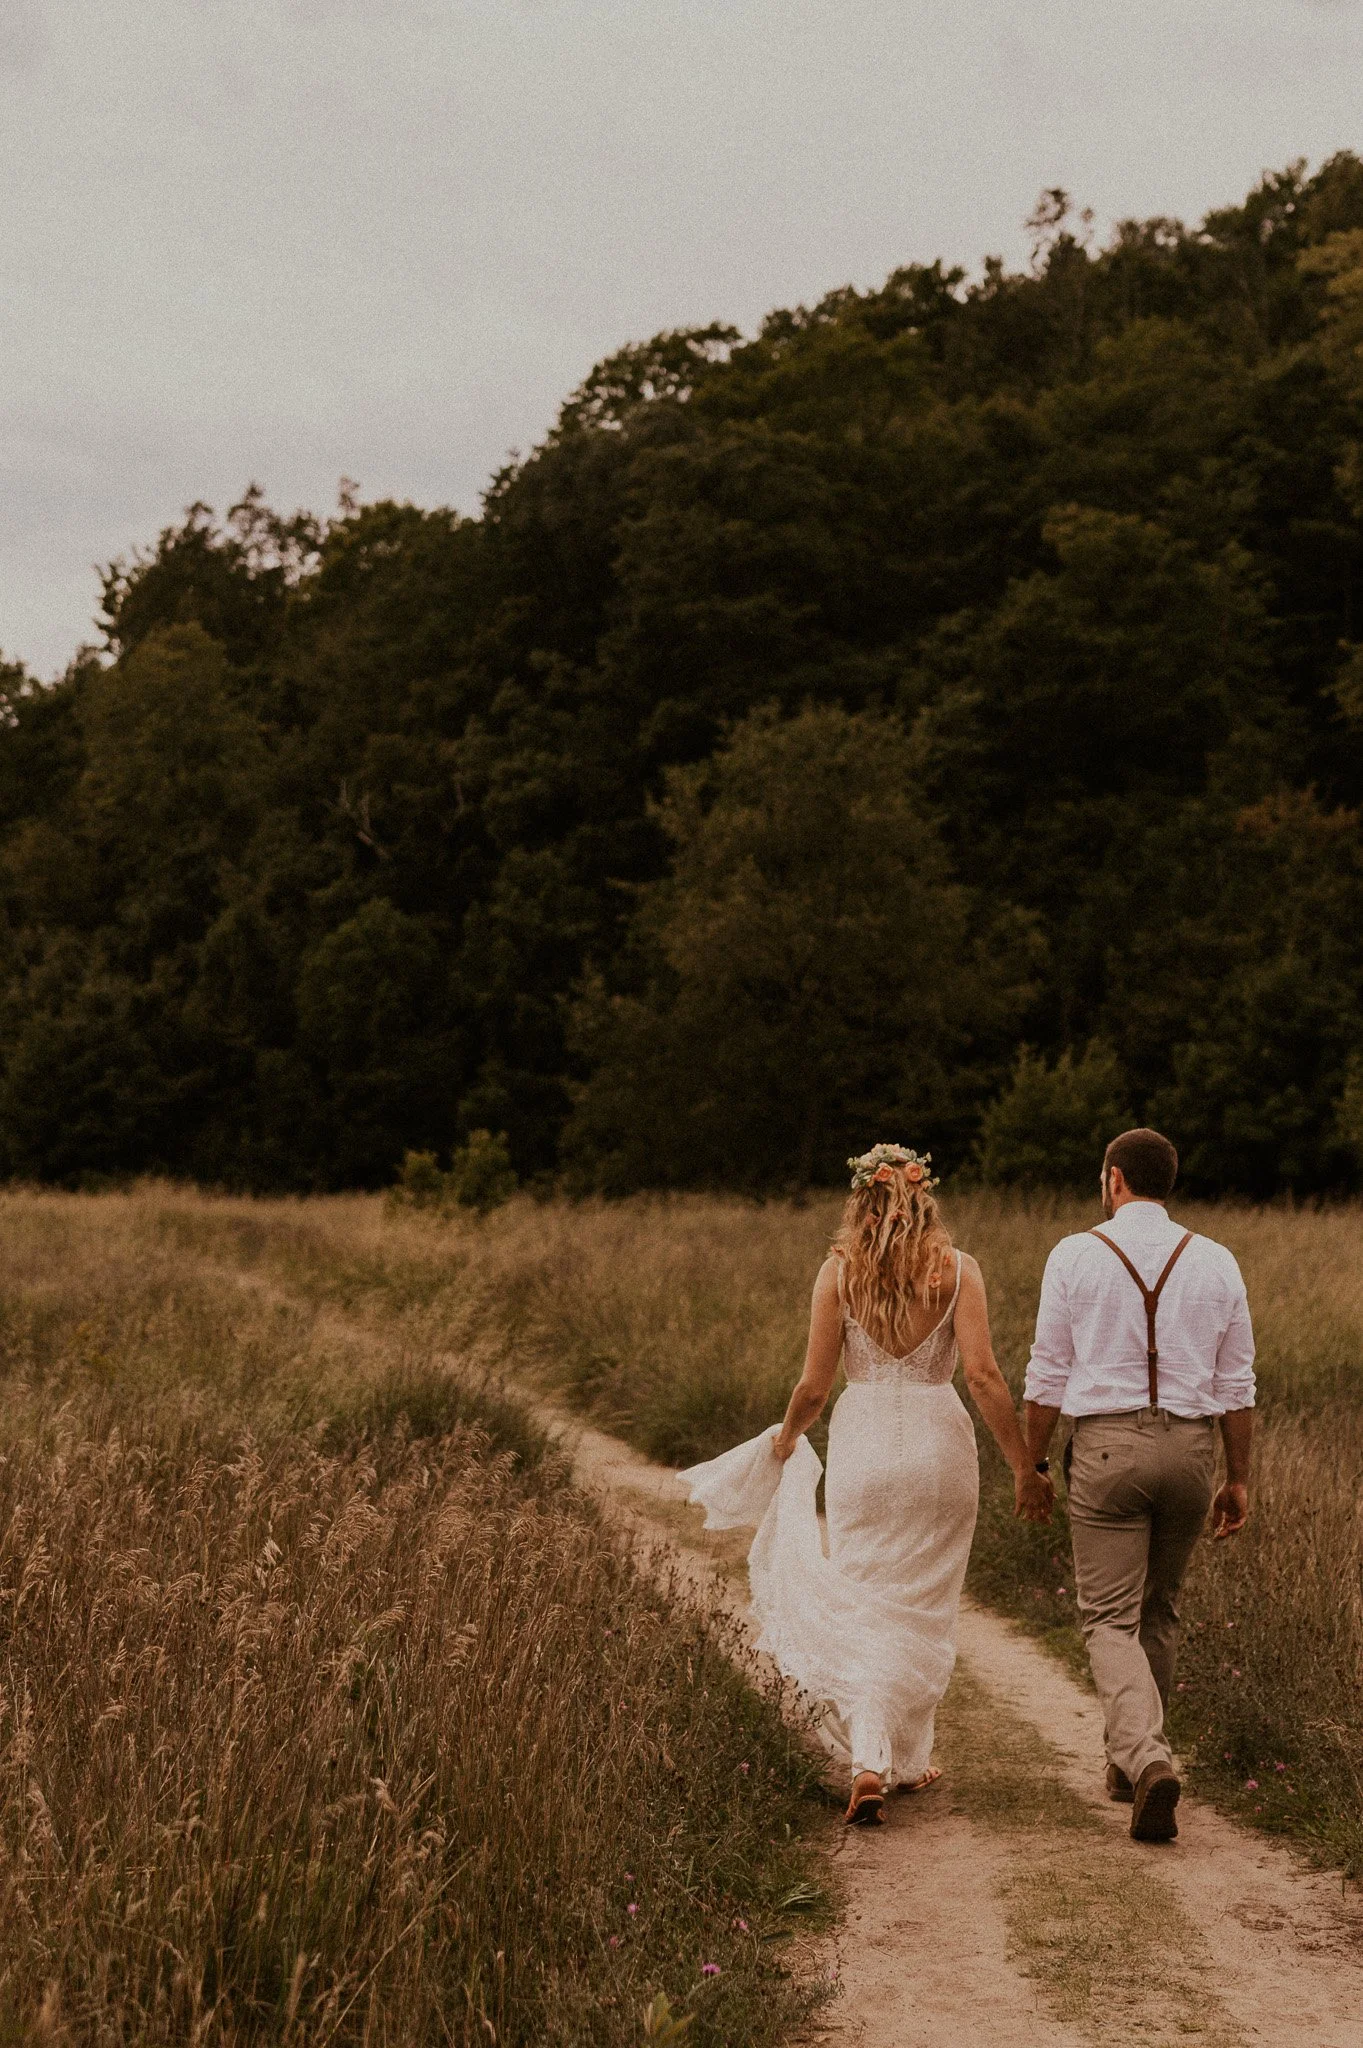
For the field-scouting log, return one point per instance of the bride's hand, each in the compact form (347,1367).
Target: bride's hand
(1034,1496)
(781,1450)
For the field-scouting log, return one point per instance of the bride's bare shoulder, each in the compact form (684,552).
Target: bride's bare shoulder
(972,1273)
(828,1279)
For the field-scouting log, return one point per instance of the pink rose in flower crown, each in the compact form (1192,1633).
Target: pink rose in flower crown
(878,1167)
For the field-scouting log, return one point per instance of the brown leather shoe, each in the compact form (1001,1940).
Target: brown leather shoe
(1153,1801)
(1119,1786)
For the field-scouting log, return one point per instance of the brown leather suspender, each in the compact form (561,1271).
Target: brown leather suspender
(1151,1296)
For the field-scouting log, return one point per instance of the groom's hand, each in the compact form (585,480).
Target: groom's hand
(1034,1497)
(1230,1510)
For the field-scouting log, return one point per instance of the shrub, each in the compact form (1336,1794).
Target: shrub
(420,1183)
(480,1177)
(1050,1125)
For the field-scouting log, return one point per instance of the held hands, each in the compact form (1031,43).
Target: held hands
(1230,1510)
(1034,1496)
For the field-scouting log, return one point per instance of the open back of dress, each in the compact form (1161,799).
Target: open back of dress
(930,1364)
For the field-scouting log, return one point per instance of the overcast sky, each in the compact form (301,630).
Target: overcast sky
(291,239)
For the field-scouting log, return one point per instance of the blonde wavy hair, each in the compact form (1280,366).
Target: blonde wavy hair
(896,1254)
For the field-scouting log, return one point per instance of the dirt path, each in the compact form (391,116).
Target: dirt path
(1010,1904)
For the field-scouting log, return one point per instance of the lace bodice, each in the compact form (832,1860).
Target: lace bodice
(929,1364)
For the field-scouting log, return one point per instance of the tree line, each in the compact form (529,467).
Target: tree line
(938,716)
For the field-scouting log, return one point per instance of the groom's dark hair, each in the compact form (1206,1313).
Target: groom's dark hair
(1148,1161)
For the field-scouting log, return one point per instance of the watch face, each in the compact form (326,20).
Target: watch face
(1043,1464)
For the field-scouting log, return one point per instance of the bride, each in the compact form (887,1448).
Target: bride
(868,1631)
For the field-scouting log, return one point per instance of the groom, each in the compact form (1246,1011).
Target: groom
(1143,1338)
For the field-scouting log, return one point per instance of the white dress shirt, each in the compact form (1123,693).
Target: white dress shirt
(1089,1357)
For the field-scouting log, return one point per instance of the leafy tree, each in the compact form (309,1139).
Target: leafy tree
(1058,726)
(810,971)
(233,581)
(1338,260)
(84,1093)
(372,1018)
(1348,1130)
(40,747)
(171,791)
(1262,1057)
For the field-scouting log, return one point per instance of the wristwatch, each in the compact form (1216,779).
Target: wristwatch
(1043,1465)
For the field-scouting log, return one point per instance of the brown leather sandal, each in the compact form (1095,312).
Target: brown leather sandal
(866,1808)
(925,1783)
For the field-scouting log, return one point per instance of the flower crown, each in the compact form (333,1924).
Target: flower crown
(882,1161)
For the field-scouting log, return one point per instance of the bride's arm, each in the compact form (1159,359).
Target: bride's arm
(1034,1491)
(821,1361)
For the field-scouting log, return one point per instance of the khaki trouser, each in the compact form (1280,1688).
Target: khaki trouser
(1140,1485)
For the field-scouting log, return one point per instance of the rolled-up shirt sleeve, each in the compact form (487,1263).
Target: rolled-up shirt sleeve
(1052,1359)
(1233,1380)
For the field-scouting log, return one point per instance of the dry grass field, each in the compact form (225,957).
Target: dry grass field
(329,1712)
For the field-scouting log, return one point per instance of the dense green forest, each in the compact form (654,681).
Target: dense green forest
(939,716)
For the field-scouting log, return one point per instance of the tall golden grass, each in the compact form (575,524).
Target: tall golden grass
(328,1711)
(680,1324)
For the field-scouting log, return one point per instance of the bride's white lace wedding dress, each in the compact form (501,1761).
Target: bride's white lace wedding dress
(867,1631)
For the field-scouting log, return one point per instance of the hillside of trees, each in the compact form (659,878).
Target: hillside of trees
(939,717)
